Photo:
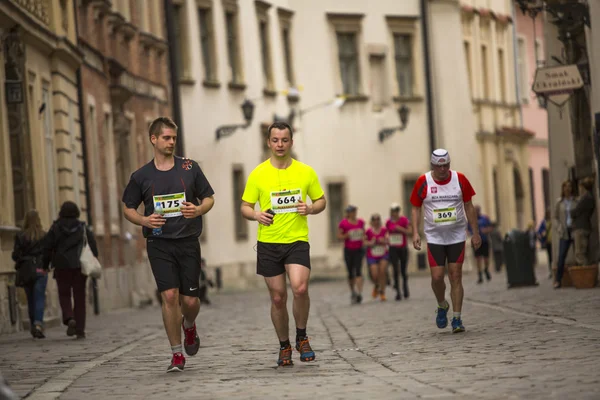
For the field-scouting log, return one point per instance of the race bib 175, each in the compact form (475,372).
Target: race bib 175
(170,203)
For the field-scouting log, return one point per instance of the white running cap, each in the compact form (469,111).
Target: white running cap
(440,157)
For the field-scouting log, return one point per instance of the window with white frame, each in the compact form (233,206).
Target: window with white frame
(74,154)
(335,200)
(262,12)
(522,70)
(347,30)
(234,54)
(114,212)
(404,64)
(50,153)
(94,167)
(207,40)
(502,76)
(285,26)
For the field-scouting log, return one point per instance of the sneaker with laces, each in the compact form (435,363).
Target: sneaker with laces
(191,341)
(441,319)
(285,356)
(375,292)
(457,325)
(306,352)
(382,296)
(177,363)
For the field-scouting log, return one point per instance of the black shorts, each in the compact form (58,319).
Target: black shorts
(271,258)
(354,259)
(483,250)
(438,254)
(175,264)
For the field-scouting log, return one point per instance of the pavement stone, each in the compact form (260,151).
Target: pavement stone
(522,343)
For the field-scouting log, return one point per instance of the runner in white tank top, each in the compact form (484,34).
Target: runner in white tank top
(444,197)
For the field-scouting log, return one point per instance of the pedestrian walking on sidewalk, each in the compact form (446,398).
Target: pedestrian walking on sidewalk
(64,243)
(175,194)
(281,186)
(544,234)
(564,226)
(352,231)
(32,270)
(482,254)
(398,227)
(442,198)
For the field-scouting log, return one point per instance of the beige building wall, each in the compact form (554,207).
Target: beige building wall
(341,144)
(39,38)
(501,152)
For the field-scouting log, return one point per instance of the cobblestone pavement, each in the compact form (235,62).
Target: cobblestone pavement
(534,343)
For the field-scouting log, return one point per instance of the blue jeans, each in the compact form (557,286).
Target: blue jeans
(36,299)
(563,249)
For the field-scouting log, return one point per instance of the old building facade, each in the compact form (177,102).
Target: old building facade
(125,85)
(344,69)
(40,137)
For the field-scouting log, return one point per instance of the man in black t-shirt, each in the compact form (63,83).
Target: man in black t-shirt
(175,194)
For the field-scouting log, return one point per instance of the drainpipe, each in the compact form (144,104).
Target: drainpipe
(88,201)
(515,58)
(428,79)
(174,69)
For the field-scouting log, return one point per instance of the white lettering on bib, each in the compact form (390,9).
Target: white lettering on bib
(286,201)
(356,234)
(170,203)
(396,240)
(378,251)
(446,216)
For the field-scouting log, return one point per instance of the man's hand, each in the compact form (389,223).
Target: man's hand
(154,221)
(303,208)
(190,210)
(417,241)
(476,241)
(263,218)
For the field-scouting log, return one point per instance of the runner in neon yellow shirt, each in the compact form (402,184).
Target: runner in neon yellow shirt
(281,186)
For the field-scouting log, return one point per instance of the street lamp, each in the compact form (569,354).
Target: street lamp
(248,111)
(403,113)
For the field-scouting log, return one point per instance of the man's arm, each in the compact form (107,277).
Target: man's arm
(317,206)
(472,217)
(250,214)
(151,221)
(190,210)
(415,219)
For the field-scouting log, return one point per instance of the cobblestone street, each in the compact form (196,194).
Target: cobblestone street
(534,343)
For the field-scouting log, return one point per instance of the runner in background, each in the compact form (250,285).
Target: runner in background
(377,255)
(398,227)
(352,231)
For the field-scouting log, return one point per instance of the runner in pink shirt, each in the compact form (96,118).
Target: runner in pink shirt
(377,255)
(352,230)
(398,227)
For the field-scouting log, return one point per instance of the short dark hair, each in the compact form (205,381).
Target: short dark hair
(587,183)
(159,124)
(69,210)
(281,126)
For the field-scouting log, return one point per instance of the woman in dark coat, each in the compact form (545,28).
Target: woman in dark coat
(28,253)
(64,243)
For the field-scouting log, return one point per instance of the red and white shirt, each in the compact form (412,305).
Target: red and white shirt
(443,207)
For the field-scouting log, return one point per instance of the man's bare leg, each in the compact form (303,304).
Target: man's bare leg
(279,314)
(456,287)
(171,313)
(299,276)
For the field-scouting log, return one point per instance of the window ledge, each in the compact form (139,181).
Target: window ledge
(408,99)
(211,84)
(355,98)
(236,86)
(187,80)
(269,92)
